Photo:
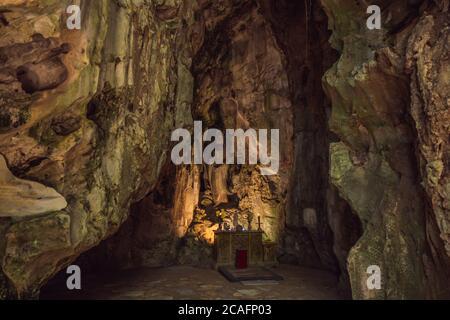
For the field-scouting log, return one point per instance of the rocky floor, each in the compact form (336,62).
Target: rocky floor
(183,282)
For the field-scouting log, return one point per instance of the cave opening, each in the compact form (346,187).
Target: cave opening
(259,65)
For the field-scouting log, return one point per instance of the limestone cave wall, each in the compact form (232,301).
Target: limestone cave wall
(86,117)
(379,164)
(248,75)
(91,118)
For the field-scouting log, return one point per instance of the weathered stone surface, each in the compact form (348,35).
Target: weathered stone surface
(300,30)
(23,198)
(100,138)
(235,42)
(33,251)
(89,113)
(373,165)
(241,82)
(428,62)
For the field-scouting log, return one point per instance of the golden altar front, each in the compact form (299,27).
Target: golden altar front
(227,242)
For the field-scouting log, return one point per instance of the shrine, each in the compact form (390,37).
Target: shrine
(229,243)
(243,248)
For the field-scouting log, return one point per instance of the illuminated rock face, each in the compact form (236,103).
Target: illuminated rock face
(100,137)
(239,81)
(22,198)
(360,138)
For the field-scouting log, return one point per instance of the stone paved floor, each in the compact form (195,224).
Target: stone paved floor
(182,282)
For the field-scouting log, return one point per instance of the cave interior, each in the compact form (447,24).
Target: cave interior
(260,67)
(350,188)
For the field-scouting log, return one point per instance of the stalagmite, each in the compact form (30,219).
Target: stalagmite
(218,180)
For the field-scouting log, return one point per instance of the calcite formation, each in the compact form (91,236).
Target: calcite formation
(22,198)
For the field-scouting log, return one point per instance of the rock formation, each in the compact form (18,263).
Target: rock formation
(374,164)
(86,118)
(21,198)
